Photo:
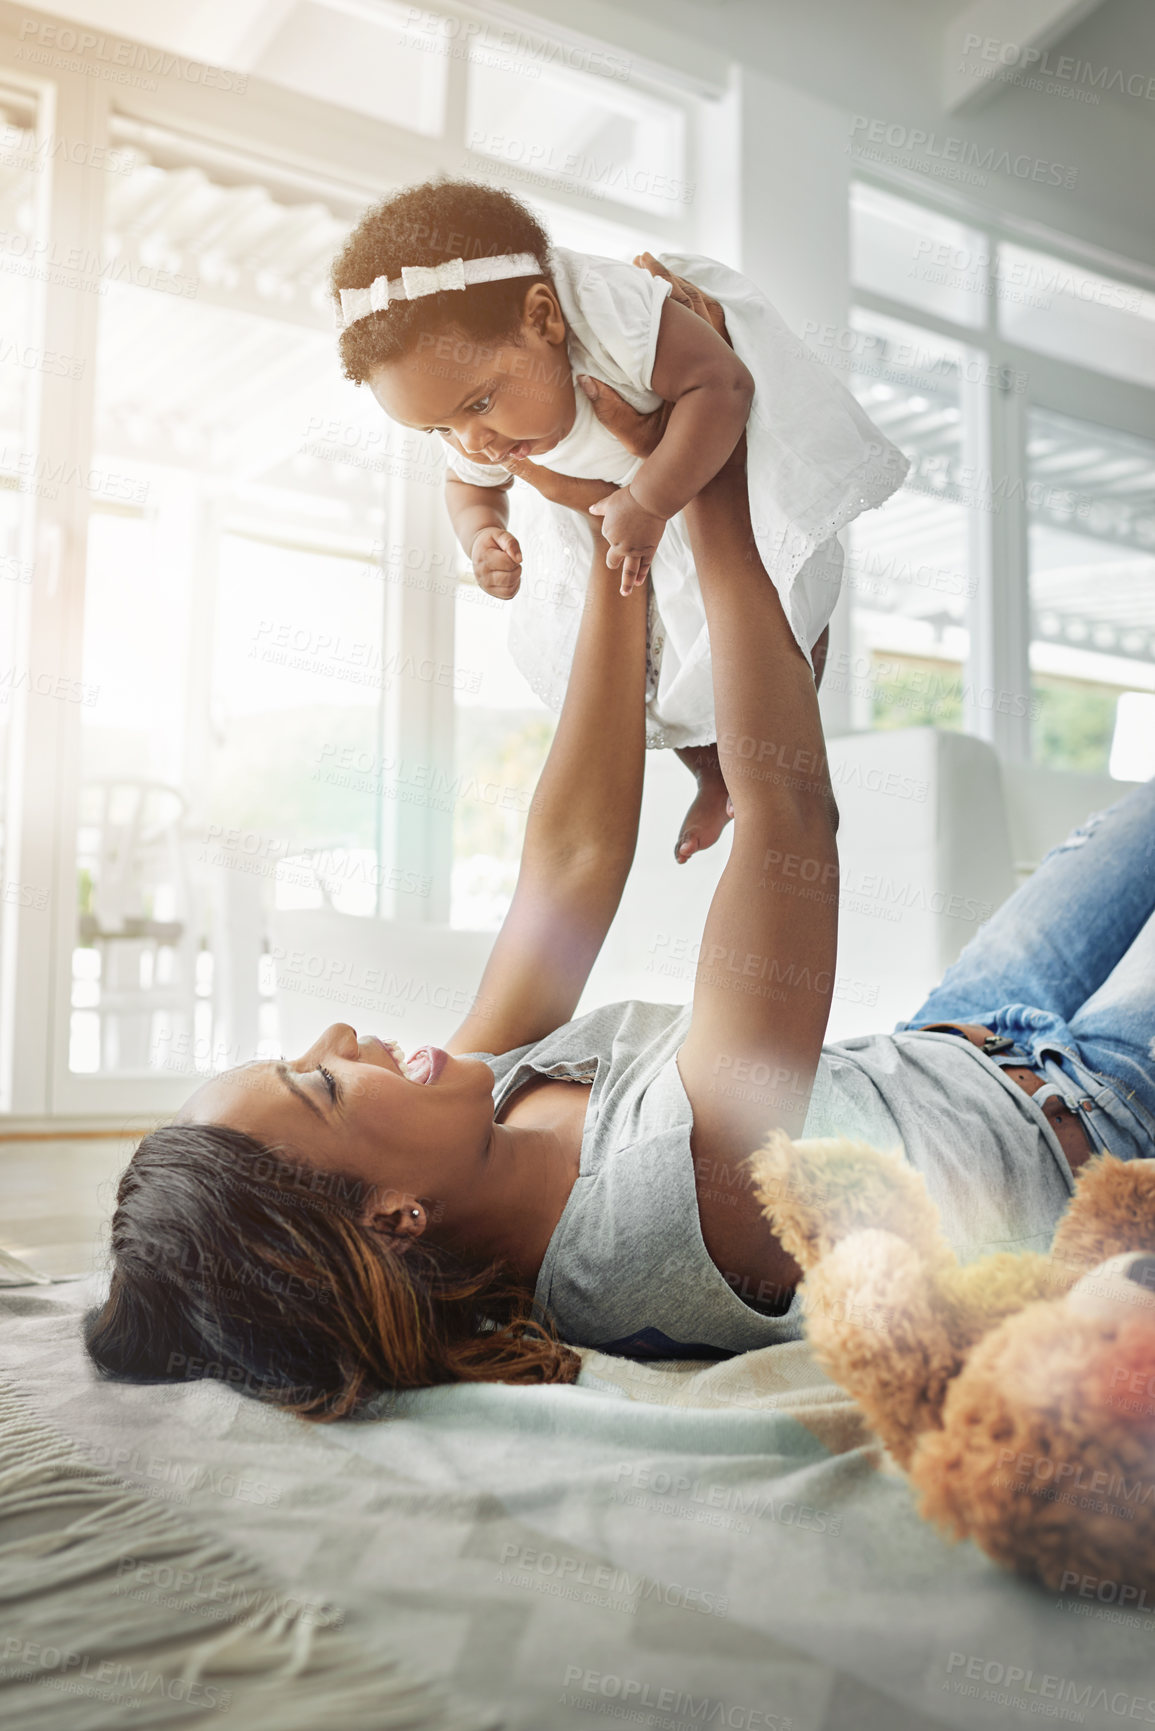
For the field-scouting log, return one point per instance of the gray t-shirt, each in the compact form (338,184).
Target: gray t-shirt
(627,1268)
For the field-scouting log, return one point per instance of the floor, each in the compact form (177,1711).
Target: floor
(56,1200)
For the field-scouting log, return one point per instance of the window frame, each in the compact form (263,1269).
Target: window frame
(995,423)
(306,143)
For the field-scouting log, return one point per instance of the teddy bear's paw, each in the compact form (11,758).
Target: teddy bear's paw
(815,1192)
(876,1322)
(977,1296)
(1044,1458)
(1113,1209)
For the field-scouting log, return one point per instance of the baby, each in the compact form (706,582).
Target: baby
(464,320)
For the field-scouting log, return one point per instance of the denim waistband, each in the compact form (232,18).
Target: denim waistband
(1114,1125)
(1116,1121)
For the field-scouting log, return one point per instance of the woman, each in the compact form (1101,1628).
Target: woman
(320,1231)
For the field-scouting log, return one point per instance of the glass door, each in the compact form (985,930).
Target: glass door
(234,647)
(1091,504)
(25,362)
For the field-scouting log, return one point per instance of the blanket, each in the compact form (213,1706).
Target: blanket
(117,1608)
(669,1546)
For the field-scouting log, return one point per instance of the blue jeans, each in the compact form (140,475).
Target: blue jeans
(1066,969)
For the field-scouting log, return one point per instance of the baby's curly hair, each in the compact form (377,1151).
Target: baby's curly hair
(427,225)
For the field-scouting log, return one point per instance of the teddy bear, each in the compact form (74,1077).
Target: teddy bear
(1017,1391)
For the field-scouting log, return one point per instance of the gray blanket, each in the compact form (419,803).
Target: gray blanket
(673,1548)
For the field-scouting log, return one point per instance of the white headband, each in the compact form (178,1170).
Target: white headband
(417,280)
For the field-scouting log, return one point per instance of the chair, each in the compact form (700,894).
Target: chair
(138,916)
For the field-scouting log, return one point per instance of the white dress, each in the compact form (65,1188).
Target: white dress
(814,461)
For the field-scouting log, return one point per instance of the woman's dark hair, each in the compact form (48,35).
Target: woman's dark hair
(232,1261)
(427,225)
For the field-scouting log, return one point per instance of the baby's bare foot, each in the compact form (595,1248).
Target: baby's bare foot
(710,810)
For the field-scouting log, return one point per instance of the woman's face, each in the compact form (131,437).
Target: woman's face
(347,1106)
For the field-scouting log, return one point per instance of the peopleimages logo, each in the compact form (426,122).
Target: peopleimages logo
(125,1683)
(1020,1686)
(1107,1592)
(958,155)
(111,57)
(641,1701)
(571,1577)
(1010,60)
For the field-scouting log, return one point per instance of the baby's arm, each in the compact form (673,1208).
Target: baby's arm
(480,516)
(711,390)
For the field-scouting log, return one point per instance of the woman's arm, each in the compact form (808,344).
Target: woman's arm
(582,828)
(766,966)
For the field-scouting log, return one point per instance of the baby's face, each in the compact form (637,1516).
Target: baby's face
(489,401)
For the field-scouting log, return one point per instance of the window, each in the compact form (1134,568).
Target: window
(1020,382)
(374,58)
(233,646)
(502,735)
(603,138)
(1060,309)
(906,569)
(24,361)
(917,256)
(595,136)
(1092,574)
(249,579)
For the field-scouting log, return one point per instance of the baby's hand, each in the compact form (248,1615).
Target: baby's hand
(496,559)
(633,534)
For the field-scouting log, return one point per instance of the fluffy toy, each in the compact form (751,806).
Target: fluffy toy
(1017,1391)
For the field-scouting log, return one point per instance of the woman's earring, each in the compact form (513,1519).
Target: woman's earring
(416,1213)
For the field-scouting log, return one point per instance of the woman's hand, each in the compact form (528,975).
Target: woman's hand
(687,294)
(703,306)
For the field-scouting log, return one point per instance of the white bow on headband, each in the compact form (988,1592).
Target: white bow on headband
(417,280)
